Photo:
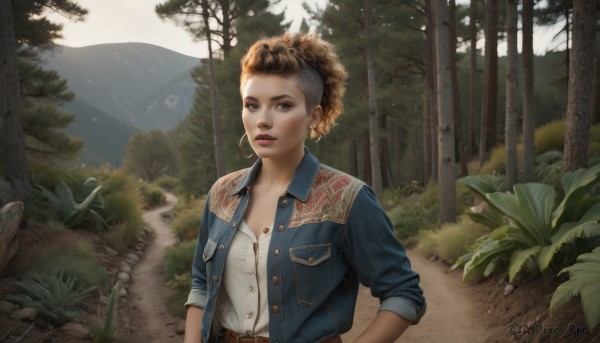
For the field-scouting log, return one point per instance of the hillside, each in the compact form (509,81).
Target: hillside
(121,88)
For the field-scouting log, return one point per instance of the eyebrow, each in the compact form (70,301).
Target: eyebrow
(275,98)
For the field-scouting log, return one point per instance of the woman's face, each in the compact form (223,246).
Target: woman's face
(275,116)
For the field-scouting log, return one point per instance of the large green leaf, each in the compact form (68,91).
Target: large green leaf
(81,210)
(64,193)
(585,281)
(487,253)
(483,184)
(530,208)
(575,185)
(518,259)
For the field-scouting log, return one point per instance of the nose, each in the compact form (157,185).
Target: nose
(264,119)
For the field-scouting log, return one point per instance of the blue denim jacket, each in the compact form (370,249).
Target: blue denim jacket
(330,233)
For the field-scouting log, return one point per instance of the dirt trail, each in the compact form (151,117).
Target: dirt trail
(147,309)
(451,314)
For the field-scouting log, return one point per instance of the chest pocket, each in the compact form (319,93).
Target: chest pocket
(313,272)
(207,257)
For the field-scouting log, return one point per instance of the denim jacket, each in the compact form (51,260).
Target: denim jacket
(330,233)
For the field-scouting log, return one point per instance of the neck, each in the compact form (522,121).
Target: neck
(279,172)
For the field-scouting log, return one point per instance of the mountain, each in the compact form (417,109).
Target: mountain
(120,88)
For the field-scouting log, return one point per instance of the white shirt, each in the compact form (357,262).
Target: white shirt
(243,302)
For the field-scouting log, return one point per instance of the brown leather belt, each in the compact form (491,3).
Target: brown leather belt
(234,337)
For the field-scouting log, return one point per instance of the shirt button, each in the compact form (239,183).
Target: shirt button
(276,252)
(251,272)
(280,228)
(284,203)
(275,309)
(274,280)
(251,289)
(249,315)
(266,230)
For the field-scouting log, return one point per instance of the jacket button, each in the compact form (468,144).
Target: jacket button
(275,309)
(311,260)
(234,225)
(221,246)
(280,228)
(215,279)
(284,203)
(274,280)
(276,252)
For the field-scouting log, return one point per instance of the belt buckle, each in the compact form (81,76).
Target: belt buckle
(245,338)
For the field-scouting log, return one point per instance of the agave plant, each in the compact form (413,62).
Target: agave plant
(535,228)
(73,212)
(584,280)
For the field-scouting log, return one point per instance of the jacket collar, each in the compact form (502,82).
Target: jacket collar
(301,182)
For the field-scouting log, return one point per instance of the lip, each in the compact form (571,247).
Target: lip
(264,137)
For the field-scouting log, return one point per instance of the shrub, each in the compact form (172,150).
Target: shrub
(584,280)
(152,196)
(121,236)
(415,212)
(73,256)
(186,224)
(55,296)
(452,240)
(178,268)
(167,183)
(536,228)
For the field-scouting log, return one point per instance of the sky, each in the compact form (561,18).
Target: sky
(120,21)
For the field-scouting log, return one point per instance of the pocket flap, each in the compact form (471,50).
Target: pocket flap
(311,255)
(209,250)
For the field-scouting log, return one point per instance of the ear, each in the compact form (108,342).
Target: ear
(315,115)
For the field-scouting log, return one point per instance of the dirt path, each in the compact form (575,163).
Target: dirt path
(147,309)
(451,314)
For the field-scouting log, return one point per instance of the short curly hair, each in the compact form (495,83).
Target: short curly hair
(321,75)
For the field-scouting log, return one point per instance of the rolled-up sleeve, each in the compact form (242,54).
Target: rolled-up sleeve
(198,294)
(380,259)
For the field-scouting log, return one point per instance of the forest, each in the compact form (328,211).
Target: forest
(485,159)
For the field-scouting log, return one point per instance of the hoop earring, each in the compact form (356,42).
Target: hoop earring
(241,151)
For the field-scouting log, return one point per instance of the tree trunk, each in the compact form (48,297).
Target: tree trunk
(16,169)
(433,115)
(353,151)
(373,112)
(458,129)
(510,127)
(489,106)
(426,124)
(596,93)
(214,98)
(580,85)
(366,158)
(446,165)
(472,77)
(528,95)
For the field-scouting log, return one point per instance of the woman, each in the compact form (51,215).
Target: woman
(283,245)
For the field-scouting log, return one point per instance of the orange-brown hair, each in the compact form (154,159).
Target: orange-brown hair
(321,76)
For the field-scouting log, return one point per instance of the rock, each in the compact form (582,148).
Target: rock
(111,251)
(125,268)
(124,277)
(123,292)
(103,299)
(131,257)
(6,307)
(508,289)
(29,313)
(75,330)
(180,327)
(10,218)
